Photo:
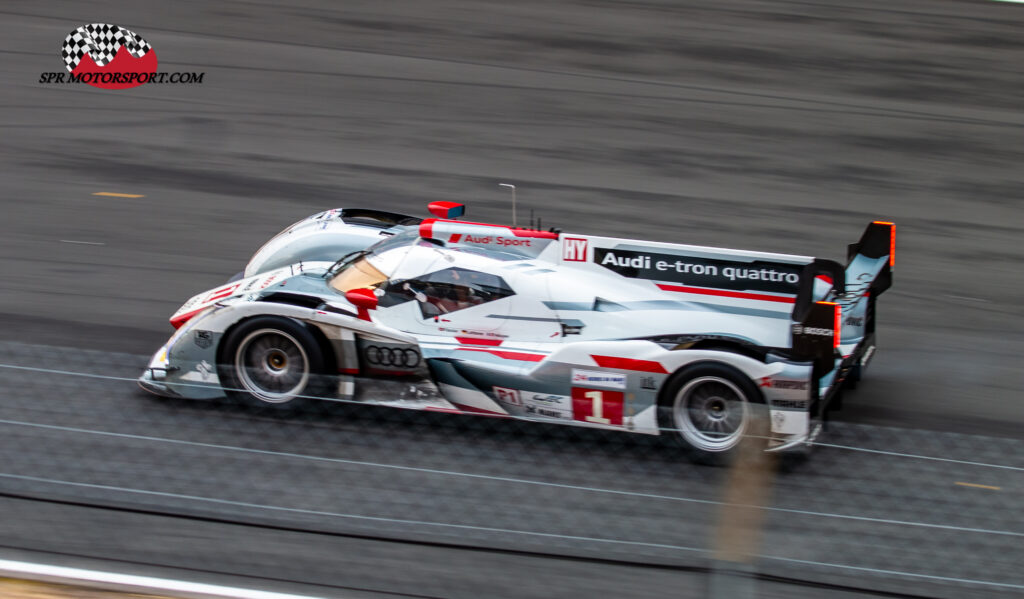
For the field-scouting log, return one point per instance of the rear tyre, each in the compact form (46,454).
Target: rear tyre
(709,409)
(273,363)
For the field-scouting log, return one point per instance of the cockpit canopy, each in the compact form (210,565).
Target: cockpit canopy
(442,289)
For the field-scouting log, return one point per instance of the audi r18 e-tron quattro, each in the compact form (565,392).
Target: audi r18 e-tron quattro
(630,335)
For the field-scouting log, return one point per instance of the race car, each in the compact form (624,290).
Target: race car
(444,314)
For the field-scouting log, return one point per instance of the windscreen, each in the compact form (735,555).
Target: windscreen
(357,275)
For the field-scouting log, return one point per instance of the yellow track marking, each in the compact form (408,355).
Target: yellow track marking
(118,195)
(977,486)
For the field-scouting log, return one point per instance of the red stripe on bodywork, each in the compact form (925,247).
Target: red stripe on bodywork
(427,229)
(533,233)
(475,410)
(455,238)
(348,371)
(629,364)
(507,355)
(475,341)
(724,293)
(177,321)
(445,410)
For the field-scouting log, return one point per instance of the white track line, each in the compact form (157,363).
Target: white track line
(456,473)
(127,582)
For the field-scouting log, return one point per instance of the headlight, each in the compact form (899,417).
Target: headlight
(159,359)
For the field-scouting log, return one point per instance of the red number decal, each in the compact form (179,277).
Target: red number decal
(597,405)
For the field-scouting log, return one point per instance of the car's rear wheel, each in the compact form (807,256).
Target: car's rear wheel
(273,363)
(710,408)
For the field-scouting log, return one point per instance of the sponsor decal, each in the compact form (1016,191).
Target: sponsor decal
(266,283)
(799,329)
(549,406)
(609,380)
(550,400)
(648,382)
(854,321)
(391,356)
(597,406)
(574,249)
(541,411)
(509,396)
(759,275)
(185,307)
(326,217)
(112,57)
(797,404)
(205,370)
(783,384)
(778,420)
(491,240)
(204,339)
(250,284)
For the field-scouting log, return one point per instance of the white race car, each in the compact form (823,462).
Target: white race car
(639,336)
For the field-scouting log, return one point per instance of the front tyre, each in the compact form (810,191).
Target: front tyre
(709,408)
(272,363)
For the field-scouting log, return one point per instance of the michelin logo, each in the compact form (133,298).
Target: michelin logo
(590,378)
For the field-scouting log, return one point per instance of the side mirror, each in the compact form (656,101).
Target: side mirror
(364,299)
(446,210)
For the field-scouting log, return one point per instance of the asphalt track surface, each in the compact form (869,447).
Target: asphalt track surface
(777,126)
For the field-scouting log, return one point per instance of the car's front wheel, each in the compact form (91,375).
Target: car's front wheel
(273,363)
(710,408)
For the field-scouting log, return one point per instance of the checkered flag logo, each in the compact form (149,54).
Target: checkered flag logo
(101,42)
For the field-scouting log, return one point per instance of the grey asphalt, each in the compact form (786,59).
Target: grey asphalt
(777,126)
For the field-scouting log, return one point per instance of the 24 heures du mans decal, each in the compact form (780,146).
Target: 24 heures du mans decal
(112,57)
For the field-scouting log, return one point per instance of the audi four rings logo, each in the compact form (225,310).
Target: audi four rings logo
(392,356)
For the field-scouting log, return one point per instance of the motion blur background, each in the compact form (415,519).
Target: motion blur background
(767,125)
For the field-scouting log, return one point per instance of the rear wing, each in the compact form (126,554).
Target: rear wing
(837,322)
(871,260)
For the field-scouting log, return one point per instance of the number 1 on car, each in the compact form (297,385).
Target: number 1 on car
(597,406)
